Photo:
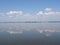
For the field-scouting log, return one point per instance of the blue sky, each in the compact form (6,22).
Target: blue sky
(36,10)
(30,6)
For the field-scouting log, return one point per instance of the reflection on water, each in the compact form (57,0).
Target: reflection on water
(30,33)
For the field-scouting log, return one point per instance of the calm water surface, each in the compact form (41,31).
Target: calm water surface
(30,33)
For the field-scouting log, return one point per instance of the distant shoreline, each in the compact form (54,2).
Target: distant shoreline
(33,22)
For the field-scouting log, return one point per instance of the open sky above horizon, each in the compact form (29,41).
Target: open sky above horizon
(29,7)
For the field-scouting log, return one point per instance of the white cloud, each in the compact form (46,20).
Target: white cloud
(50,13)
(14,12)
(48,9)
(44,15)
(40,13)
(57,13)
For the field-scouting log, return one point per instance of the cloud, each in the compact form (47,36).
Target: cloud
(48,14)
(57,13)
(44,15)
(48,11)
(14,12)
(40,13)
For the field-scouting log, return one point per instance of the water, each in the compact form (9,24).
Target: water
(29,33)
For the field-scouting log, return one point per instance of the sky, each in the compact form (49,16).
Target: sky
(29,10)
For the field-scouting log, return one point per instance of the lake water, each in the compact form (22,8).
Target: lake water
(29,33)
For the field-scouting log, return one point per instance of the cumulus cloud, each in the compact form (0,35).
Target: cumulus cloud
(44,15)
(40,13)
(14,12)
(48,14)
(48,11)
